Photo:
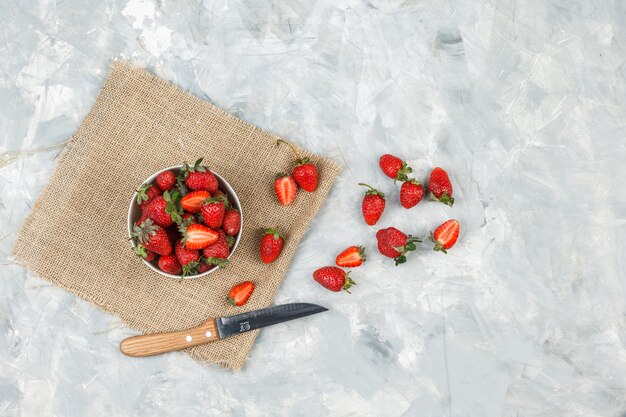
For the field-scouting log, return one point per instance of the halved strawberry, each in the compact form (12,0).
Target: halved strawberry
(351,257)
(192,201)
(446,235)
(198,236)
(286,189)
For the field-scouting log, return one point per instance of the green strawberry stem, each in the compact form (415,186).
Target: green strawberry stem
(445,199)
(403,171)
(348,283)
(299,161)
(408,246)
(219,262)
(173,207)
(438,246)
(372,190)
(273,232)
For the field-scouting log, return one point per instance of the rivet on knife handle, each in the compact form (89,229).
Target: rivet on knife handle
(156,343)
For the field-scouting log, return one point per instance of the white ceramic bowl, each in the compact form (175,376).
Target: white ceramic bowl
(134,212)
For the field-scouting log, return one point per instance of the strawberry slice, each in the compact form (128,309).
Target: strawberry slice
(198,236)
(286,189)
(192,201)
(351,257)
(445,236)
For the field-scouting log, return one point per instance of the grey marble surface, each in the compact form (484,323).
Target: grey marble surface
(522,101)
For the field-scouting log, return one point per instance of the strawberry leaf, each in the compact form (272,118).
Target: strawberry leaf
(220,263)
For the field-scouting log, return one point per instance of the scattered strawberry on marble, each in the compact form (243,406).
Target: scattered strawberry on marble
(333,278)
(440,186)
(394,167)
(351,257)
(395,244)
(373,205)
(446,235)
(187,224)
(411,193)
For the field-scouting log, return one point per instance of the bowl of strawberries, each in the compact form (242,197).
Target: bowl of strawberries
(185,221)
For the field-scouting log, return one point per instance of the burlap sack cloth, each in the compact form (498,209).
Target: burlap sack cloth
(76,235)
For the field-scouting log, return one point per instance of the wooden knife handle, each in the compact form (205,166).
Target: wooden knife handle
(156,343)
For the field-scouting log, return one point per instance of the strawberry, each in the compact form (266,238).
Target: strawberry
(445,236)
(152,237)
(239,294)
(351,257)
(143,253)
(166,180)
(394,167)
(212,211)
(147,193)
(232,222)
(373,205)
(395,244)
(216,253)
(271,245)
(198,236)
(286,189)
(169,264)
(203,267)
(197,177)
(157,210)
(411,193)
(440,186)
(184,254)
(333,278)
(192,201)
(305,172)
(141,219)
(219,192)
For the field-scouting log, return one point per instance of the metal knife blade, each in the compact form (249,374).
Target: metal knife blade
(240,323)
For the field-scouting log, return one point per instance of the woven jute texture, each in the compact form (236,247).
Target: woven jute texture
(76,235)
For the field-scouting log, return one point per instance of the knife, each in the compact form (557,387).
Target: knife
(216,329)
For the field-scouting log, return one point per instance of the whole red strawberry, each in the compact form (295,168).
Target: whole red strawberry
(240,293)
(232,222)
(440,186)
(157,210)
(411,193)
(333,278)
(185,255)
(152,237)
(351,257)
(271,245)
(286,188)
(147,193)
(395,244)
(305,172)
(166,180)
(217,253)
(203,267)
(142,252)
(170,264)
(373,205)
(394,167)
(213,210)
(198,177)
(445,236)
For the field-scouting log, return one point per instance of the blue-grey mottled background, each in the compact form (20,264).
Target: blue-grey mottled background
(522,101)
